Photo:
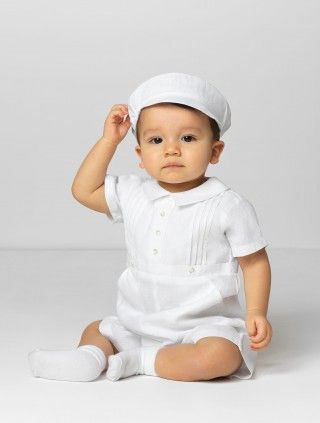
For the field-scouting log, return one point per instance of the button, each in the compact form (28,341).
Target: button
(191,270)
(162,213)
(131,263)
(158,232)
(155,251)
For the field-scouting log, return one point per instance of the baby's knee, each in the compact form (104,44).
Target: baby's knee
(93,326)
(218,358)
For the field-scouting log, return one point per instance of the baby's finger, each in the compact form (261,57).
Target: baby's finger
(269,335)
(120,108)
(260,345)
(251,327)
(118,115)
(117,106)
(258,337)
(263,342)
(261,332)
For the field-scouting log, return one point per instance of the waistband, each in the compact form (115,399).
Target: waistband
(183,270)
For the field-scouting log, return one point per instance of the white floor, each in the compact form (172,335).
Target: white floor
(48,297)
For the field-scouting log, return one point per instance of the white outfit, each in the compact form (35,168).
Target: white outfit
(181,282)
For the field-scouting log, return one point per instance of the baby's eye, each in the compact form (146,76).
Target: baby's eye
(189,136)
(156,138)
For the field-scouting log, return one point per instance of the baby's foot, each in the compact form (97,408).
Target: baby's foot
(124,364)
(82,364)
(136,361)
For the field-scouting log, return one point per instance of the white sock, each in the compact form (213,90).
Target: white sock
(82,364)
(132,362)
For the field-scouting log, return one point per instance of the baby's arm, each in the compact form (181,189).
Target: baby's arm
(257,282)
(88,184)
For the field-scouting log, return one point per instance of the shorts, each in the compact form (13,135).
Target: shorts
(123,339)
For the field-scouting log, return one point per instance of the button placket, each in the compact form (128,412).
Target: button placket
(160,222)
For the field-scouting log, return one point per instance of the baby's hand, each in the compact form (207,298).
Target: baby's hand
(259,330)
(117,123)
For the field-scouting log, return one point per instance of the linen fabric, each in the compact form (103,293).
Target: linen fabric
(181,280)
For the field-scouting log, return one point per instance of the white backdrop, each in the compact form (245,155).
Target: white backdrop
(65,63)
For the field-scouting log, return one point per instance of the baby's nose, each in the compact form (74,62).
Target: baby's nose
(172,146)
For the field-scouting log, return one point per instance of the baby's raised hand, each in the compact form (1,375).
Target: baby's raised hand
(259,330)
(117,123)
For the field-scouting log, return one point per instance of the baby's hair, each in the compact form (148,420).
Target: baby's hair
(213,124)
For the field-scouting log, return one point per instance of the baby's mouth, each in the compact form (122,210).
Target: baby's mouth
(173,165)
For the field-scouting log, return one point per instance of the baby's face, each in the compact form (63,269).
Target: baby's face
(168,133)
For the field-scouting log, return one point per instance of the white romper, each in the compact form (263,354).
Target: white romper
(181,280)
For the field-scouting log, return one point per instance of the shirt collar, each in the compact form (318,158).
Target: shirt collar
(208,189)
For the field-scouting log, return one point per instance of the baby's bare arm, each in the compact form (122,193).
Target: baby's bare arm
(88,184)
(257,280)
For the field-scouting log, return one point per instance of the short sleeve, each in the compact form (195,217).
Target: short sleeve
(117,189)
(242,229)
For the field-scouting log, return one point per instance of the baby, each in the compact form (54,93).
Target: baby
(178,313)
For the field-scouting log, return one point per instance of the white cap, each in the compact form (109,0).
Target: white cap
(181,88)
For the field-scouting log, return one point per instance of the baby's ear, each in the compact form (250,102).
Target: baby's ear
(217,149)
(138,150)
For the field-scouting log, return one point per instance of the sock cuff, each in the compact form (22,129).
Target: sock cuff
(96,352)
(148,358)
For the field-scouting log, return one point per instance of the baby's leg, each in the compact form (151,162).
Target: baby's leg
(92,336)
(207,359)
(82,364)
